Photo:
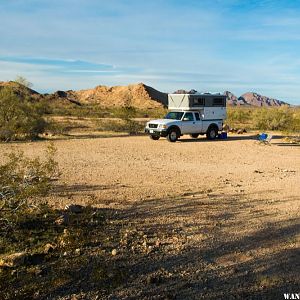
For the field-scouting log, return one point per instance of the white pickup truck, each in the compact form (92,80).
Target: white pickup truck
(193,114)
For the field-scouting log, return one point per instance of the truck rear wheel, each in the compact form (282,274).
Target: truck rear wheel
(173,136)
(212,133)
(194,135)
(154,137)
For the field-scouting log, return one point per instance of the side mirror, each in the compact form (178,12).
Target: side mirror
(186,119)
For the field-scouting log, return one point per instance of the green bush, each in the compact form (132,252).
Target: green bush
(21,179)
(125,113)
(238,115)
(296,120)
(19,118)
(273,118)
(268,118)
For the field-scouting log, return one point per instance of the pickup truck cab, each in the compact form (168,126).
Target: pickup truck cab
(205,119)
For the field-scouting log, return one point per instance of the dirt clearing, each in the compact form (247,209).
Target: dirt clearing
(193,219)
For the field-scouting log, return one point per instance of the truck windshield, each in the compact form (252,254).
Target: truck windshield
(174,115)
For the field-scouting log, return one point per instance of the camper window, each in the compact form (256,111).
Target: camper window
(218,102)
(199,102)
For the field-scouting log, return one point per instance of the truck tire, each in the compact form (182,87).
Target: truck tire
(212,133)
(173,135)
(154,137)
(194,135)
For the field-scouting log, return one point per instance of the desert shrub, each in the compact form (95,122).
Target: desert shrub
(125,113)
(59,128)
(133,127)
(269,118)
(239,115)
(83,111)
(23,81)
(273,118)
(19,118)
(118,125)
(296,120)
(21,179)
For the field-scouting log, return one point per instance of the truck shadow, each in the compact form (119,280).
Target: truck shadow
(230,138)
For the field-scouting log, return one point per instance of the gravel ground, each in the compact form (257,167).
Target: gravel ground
(195,219)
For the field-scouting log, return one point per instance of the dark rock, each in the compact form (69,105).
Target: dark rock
(74,208)
(154,279)
(62,220)
(35,259)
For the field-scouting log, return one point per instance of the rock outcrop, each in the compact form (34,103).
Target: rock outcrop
(137,95)
(254,99)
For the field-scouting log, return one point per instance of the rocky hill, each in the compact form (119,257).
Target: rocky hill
(20,89)
(254,99)
(232,99)
(137,95)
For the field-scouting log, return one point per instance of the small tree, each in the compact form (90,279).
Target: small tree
(23,81)
(19,118)
(273,118)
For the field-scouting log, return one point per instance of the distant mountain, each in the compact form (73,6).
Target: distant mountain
(252,99)
(255,99)
(137,95)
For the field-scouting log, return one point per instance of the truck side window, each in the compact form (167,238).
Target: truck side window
(188,116)
(197,116)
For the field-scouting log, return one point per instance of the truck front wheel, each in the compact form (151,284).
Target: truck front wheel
(172,135)
(212,133)
(154,137)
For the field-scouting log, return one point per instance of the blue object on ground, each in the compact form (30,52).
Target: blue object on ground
(262,137)
(223,135)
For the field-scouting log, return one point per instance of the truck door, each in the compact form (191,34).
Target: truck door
(198,124)
(188,124)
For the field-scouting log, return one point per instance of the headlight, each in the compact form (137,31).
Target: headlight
(162,126)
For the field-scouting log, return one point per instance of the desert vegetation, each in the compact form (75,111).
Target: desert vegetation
(37,242)
(21,179)
(285,119)
(25,114)
(19,117)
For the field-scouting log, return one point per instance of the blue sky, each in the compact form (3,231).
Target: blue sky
(234,45)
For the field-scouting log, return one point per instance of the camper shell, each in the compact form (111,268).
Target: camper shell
(210,105)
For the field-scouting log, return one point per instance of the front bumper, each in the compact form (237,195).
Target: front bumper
(156,131)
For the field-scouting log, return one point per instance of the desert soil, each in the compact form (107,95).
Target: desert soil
(196,219)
